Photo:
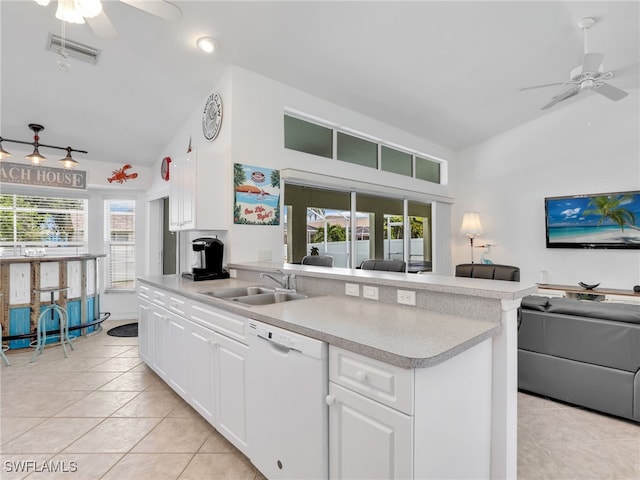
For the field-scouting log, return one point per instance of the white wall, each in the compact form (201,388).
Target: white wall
(120,305)
(252,132)
(507,178)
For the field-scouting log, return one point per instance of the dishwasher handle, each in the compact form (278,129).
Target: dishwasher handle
(277,345)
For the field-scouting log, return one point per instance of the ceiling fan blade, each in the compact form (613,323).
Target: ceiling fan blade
(592,62)
(160,8)
(559,98)
(609,91)
(102,26)
(541,86)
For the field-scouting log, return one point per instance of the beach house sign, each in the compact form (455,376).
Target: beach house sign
(22,174)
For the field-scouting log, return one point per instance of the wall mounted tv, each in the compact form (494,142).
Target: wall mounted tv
(603,220)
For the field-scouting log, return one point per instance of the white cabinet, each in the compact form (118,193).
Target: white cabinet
(176,349)
(144,333)
(198,351)
(229,387)
(199,192)
(370,427)
(159,320)
(367,439)
(428,423)
(201,361)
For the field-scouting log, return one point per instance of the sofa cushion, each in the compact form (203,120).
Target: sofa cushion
(489,271)
(619,312)
(604,389)
(535,302)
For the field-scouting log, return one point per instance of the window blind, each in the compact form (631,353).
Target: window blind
(119,231)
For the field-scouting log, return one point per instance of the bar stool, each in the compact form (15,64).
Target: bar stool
(51,309)
(4,349)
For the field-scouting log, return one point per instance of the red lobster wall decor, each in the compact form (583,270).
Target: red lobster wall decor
(121,175)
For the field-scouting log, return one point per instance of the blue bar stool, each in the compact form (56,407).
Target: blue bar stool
(4,349)
(52,309)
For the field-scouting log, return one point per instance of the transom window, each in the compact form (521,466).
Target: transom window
(317,139)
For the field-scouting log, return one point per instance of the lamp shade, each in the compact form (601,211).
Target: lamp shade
(35,157)
(471,226)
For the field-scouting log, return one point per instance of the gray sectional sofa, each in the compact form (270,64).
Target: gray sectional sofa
(581,352)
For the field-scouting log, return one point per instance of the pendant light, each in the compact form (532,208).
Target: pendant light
(3,153)
(68,161)
(36,157)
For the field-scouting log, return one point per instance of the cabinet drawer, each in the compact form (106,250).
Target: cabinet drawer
(387,384)
(158,297)
(144,291)
(233,326)
(178,305)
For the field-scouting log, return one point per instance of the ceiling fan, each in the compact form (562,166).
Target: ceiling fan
(91,11)
(586,77)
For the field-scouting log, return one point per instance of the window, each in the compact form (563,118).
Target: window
(427,170)
(320,219)
(360,149)
(120,241)
(357,150)
(38,225)
(395,161)
(307,137)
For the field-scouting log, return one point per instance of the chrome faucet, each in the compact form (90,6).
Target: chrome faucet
(288,281)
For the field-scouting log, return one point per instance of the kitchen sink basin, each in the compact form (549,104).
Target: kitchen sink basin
(238,292)
(269,298)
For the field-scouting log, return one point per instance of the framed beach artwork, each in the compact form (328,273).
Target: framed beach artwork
(256,195)
(603,220)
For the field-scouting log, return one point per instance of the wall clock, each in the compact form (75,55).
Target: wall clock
(164,168)
(212,116)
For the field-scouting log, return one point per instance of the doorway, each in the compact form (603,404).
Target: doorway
(169,242)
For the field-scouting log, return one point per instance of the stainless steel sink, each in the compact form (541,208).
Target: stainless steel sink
(269,298)
(238,292)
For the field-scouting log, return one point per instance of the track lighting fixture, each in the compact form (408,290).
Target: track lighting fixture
(36,157)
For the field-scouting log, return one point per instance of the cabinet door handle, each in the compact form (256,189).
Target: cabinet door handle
(329,399)
(361,376)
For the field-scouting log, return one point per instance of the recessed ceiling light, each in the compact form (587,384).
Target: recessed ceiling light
(206,44)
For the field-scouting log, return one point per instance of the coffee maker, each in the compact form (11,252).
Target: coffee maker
(208,255)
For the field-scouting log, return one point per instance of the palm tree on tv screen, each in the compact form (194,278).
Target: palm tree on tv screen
(609,207)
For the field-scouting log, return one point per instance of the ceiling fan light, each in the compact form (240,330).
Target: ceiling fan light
(89,8)
(68,161)
(206,44)
(67,12)
(35,157)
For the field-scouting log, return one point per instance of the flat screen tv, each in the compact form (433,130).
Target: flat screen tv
(603,220)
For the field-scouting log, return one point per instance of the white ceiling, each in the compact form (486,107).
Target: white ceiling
(447,71)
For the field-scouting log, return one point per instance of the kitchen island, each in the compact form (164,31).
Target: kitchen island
(74,279)
(430,367)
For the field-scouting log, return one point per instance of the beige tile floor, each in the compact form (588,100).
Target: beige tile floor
(102,414)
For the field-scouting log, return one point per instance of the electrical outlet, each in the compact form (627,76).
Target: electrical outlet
(352,289)
(407,297)
(233,273)
(370,292)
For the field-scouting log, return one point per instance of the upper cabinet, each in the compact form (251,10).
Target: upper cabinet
(199,192)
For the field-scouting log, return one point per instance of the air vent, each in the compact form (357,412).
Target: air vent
(73,49)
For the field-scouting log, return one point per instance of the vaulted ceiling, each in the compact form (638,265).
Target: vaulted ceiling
(448,71)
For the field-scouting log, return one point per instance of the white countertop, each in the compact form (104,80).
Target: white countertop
(404,336)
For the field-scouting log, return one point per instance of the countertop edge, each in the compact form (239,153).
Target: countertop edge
(254,313)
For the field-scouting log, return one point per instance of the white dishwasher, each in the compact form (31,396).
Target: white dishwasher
(287,417)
